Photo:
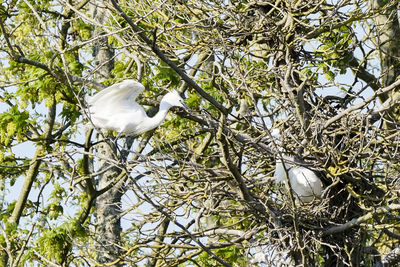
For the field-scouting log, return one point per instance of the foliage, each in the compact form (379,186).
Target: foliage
(199,190)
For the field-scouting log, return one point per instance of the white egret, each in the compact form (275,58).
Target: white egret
(304,182)
(114,108)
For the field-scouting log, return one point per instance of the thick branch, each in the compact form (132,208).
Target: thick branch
(392,258)
(33,169)
(357,221)
(162,230)
(164,58)
(232,168)
(363,74)
(362,104)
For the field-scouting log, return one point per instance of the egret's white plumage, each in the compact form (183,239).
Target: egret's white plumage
(304,182)
(114,108)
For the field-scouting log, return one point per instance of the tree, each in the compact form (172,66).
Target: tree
(199,189)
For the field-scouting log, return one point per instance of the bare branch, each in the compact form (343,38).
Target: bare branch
(373,97)
(164,58)
(357,221)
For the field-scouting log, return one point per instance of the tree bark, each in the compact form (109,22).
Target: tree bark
(108,205)
(388,45)
(387,23)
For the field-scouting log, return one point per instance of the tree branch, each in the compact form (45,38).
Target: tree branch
(362,104)
(357,221)
(245,193)
(34,167)
(164,58)
(392,258)
(363,74)
(172,219)
(60,76)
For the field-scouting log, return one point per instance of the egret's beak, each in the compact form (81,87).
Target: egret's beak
(184,105)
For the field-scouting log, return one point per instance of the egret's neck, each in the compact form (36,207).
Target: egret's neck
(157,119)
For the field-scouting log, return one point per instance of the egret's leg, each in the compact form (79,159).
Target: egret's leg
(126,145)
(113,143)
(118,136)
(125,149)
(116,139)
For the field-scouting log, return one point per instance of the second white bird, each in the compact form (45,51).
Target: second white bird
(304,182)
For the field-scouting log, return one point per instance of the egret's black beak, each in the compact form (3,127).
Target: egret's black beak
(184,106)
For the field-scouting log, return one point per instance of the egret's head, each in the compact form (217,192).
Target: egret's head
(174,100)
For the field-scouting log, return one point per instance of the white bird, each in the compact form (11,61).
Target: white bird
(304,182)
(114,108)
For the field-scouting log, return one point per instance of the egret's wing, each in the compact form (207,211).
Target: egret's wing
(120,119)
(299,182)
(117,94)
(107,106)
(305,182)
(280,173)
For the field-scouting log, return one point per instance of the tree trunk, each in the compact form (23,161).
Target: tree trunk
(387,23)
(108,205)
(388,44)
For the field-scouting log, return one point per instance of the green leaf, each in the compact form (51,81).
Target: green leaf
(329,75)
